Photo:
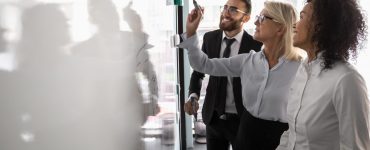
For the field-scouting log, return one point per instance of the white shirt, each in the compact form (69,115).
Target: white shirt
(235,46)
(327,110)
(230,101)
(264,90)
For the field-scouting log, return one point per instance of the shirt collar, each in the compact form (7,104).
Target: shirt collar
(238,37)
(282,59)
(314,67)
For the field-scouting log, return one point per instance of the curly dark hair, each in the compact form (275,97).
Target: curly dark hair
(338,29)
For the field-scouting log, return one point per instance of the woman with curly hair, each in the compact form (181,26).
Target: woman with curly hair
(328,106)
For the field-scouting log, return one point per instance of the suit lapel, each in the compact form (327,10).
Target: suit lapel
(217,45)
(243,45)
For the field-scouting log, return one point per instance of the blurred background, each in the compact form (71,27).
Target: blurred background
(102,74)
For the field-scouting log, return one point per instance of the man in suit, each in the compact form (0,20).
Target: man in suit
(223,106)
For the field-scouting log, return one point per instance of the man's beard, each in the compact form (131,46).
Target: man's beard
(230,26)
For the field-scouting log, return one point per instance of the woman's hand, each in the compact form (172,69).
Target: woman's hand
(193,21)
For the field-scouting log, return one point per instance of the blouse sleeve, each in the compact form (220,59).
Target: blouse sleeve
(217,66)
(352,107)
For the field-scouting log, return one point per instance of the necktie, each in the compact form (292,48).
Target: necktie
(223,80)
(227,51)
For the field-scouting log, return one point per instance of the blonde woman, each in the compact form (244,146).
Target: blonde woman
(266,76)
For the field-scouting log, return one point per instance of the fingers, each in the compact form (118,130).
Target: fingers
(195,15)
(199,13)
(193,21)
(188,108)
(192,15)
(196,107)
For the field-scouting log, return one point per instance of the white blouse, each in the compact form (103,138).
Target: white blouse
(327,109)
(264,90)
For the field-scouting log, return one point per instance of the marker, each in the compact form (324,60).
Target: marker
(193,104)
(196,5)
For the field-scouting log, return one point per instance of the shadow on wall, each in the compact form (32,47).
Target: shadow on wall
(86,100)
(137,40)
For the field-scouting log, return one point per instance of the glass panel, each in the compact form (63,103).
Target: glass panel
(87,74)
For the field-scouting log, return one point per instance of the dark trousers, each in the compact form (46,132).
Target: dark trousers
(259,134)
(221,133)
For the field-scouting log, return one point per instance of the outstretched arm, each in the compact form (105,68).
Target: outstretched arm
(217,66)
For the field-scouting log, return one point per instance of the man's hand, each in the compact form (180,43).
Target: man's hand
(189,107)
(193,21)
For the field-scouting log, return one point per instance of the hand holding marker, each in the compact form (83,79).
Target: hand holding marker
(196,6)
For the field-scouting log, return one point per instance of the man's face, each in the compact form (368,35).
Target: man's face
(232,20)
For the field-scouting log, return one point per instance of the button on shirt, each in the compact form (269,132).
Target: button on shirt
(327,109)
(264,90)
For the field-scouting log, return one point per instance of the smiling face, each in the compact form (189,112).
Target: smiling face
(231,22)
(303,30)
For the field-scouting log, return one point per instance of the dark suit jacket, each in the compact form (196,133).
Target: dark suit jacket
(212,46)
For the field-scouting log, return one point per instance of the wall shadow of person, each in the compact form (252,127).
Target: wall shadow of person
(45,33)
(137,39)
(106,42)
(86,100)
(111,63)
(37,101)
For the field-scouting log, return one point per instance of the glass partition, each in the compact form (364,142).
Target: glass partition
(88,74)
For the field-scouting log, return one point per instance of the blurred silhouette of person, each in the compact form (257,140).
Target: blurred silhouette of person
(138,41)
(34,101)
(109,43)
(45,33)
(106,42)
(111,73)
(55,101)
(112,61)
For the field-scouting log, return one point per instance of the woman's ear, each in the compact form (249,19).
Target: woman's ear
(281,30)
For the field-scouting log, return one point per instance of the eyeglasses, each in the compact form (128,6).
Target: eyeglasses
(231,10)
(261,18)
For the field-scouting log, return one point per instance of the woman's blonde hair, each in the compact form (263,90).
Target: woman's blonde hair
(285,14)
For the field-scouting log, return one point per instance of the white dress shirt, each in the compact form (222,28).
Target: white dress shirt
(327,109)
(235,46)
(264,90)
(230,101)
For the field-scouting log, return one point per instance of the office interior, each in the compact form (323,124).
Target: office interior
(86,74)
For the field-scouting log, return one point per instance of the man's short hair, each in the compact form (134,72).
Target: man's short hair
(248,5)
